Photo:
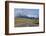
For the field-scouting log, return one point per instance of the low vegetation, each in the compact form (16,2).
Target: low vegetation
(26,20)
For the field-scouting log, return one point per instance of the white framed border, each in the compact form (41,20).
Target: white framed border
(12,29)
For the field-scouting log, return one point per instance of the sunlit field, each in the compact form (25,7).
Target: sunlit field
(26,20)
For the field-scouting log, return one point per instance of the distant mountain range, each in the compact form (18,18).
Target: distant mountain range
(28,16)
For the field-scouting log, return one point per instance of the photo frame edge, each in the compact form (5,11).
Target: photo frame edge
(7,17)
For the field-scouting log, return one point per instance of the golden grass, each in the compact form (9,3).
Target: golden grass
(25,20)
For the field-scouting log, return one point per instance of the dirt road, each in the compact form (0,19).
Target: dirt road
(26,25)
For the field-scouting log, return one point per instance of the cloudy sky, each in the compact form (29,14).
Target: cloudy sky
(26,12)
